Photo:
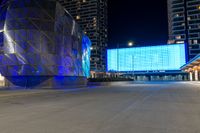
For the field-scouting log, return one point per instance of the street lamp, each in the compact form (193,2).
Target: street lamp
(130,43)
(133,67)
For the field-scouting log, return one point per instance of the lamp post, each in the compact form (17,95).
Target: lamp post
(130,44)
(118,57)
(133,65)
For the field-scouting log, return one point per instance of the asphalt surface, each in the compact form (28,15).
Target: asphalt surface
(162,107)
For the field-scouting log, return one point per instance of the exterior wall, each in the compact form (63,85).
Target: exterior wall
(91,15)
(55,82)
(177,26)
(193,16)
(169,6)
(40,39)
(184,24)
(86,44)
(144,59)
(164,77)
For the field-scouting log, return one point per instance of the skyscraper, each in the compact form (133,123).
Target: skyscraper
(91,15)
(184,24)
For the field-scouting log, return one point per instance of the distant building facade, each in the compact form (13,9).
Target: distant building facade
(184,24)
(41,44)
(160,62)
(91,15)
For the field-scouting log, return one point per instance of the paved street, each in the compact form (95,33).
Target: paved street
(166,107)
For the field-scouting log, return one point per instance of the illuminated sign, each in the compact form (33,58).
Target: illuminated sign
(151,58)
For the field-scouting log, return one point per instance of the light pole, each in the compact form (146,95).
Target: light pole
(118,57)
(130,44)
(133,66)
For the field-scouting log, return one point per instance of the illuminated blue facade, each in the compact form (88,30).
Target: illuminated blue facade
(40,42)
(151,58)
(86,44)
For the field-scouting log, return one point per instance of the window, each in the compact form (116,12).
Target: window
(178,37)
(78,17)
(195,42)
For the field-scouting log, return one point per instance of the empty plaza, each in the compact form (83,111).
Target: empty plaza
(123,107)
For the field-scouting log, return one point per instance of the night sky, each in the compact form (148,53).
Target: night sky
(143,21)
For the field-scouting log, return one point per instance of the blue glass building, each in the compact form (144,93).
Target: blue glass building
(150,58)
(41,44)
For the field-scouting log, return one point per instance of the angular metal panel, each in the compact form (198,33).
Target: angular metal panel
(41,39)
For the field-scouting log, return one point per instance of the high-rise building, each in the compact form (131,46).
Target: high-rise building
(91,15)
(184,24)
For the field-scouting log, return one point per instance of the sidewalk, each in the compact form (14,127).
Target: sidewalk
(17,91)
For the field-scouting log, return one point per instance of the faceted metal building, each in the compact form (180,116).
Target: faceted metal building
(41,45)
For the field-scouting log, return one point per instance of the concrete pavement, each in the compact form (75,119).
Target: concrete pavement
(148,107)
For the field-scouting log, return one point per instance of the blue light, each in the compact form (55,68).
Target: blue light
(151,58)
(86,44)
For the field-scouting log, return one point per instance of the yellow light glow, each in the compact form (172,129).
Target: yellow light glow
(195,68)
(190,69)
(78,17)
(199,7)
(1,78)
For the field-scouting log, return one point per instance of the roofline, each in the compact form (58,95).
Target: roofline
(138,46)
(191,61)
